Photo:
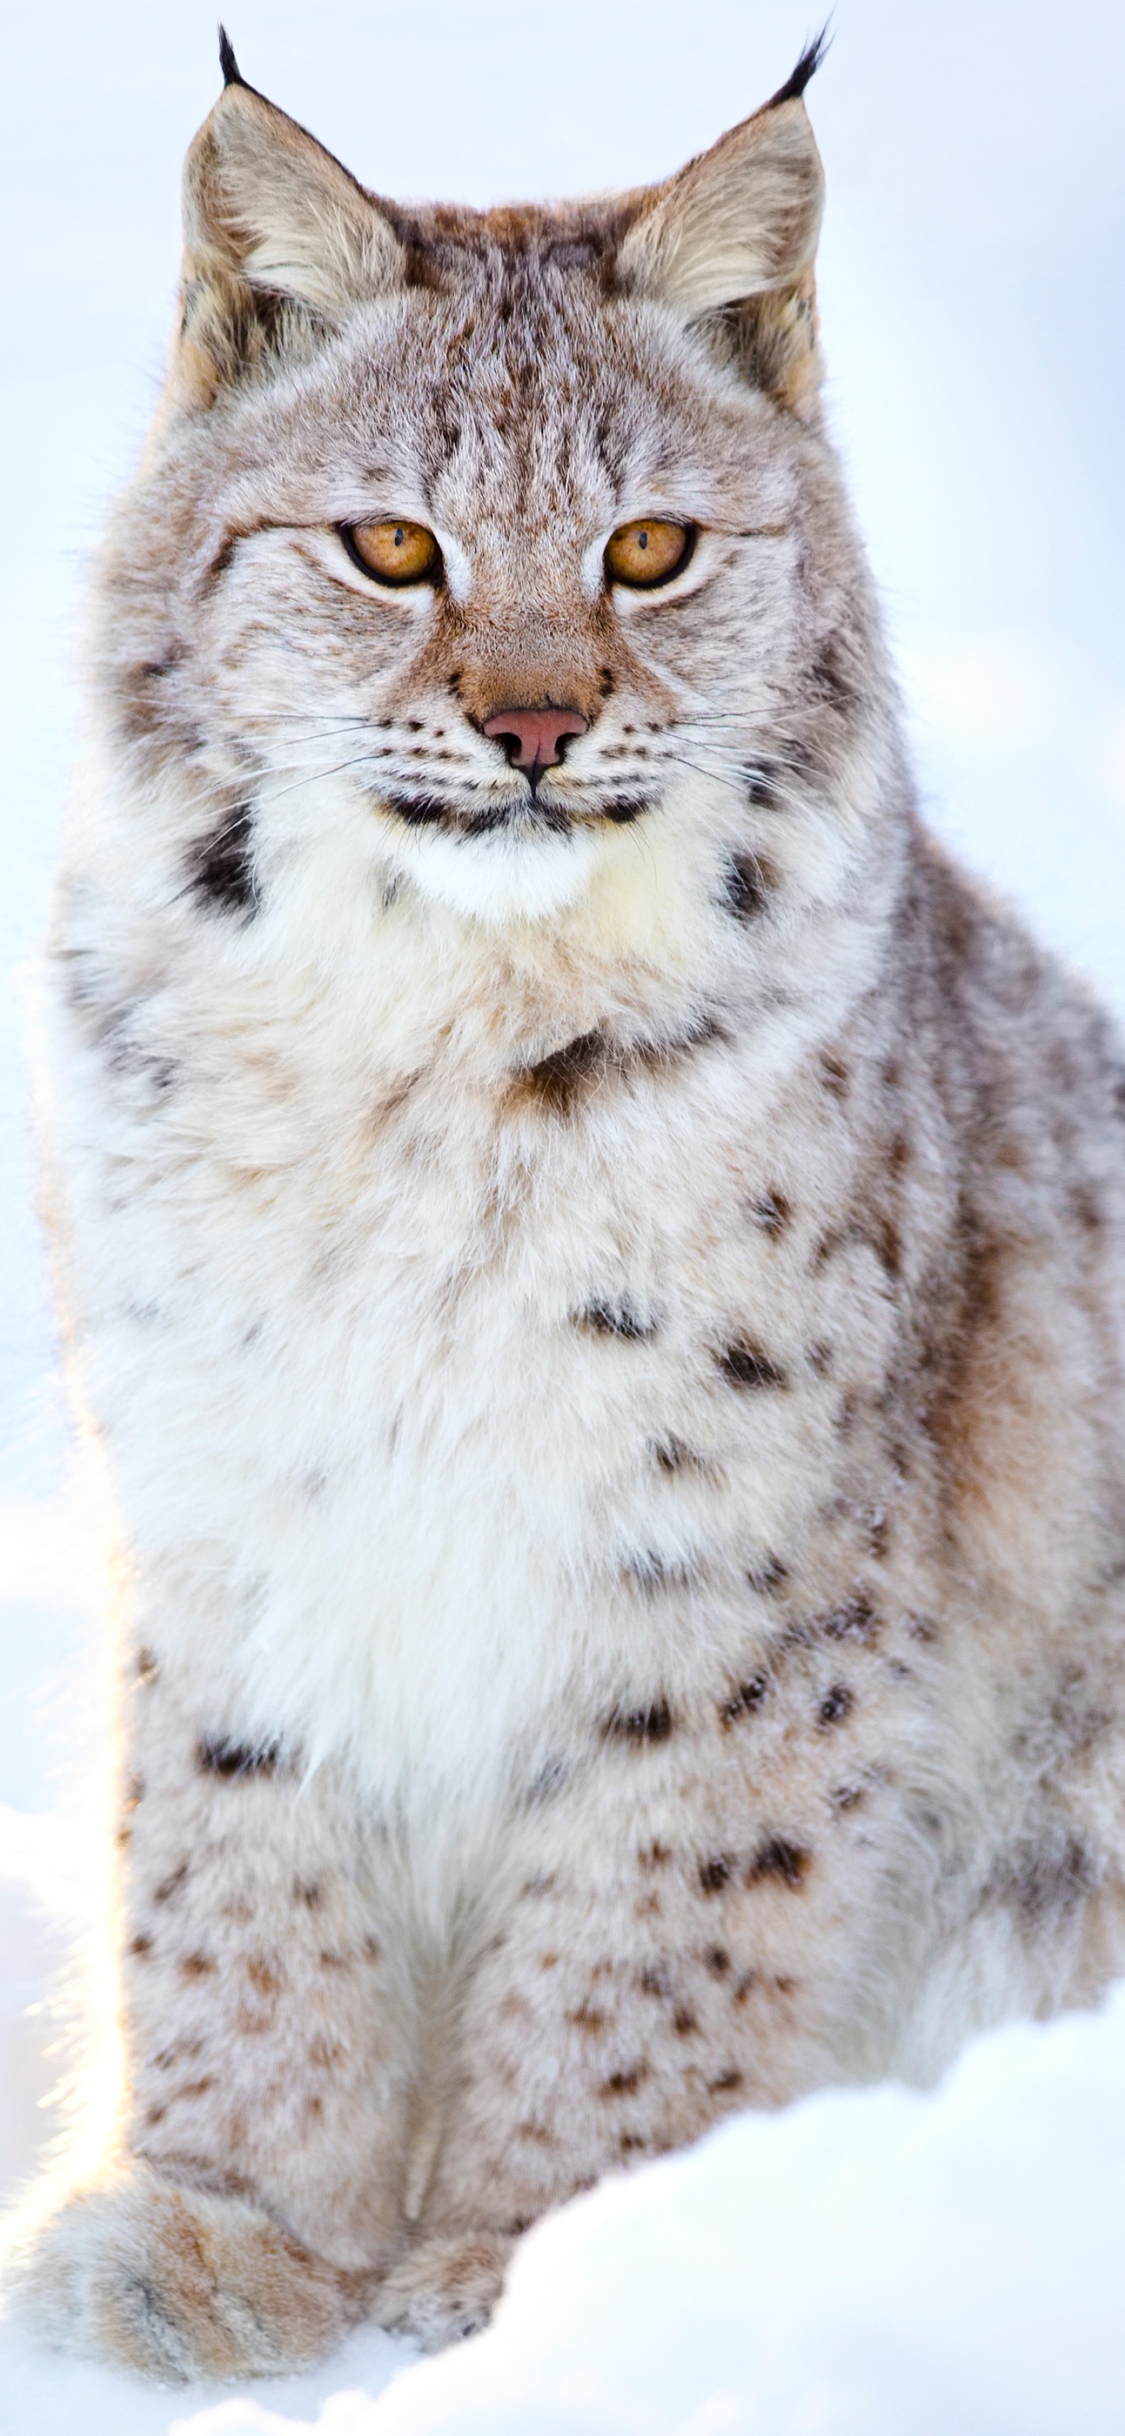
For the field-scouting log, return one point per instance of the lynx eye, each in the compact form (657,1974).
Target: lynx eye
(394,552)
(648,552)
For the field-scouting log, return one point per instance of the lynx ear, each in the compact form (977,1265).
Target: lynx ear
(738,228)
(279,240)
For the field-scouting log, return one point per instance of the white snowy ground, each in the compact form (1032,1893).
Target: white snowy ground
(877,2263)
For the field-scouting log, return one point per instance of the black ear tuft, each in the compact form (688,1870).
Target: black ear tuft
(804,71)
(227,60)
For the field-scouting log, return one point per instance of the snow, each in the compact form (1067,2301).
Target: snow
(870,2261)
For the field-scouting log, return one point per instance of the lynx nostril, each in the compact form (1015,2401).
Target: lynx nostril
(533,739)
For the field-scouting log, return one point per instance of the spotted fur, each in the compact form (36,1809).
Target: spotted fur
(602,1302)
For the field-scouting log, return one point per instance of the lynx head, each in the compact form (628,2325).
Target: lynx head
(466,538)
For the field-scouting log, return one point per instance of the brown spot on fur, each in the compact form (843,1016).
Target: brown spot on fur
(623,1319)
(743,1702)
(651,1572)
(140,1944)
(265,1978)
(560,1083)
(624,2084)
(641,1725)
(653,1980)
(197,2089)
(310,1893)
(749,882)
(772,1212)
(171,1885)
(196,1966)
(334,1962)
(370,1948)
(217,1755)
(837,1704)
(715,1873)
(537,2134)
(1047,1880)
(684,2021)
(717,1960)
(671,1455)
(770,1575)
(835,1076)
(778,1858)
(221,872)
(325,2051)
(745,1365)
(630,2144)
(555,1083)
(548,1962)
(655,1855)
(146,1667)
(588,2018)
(726,2081)
(854,1621)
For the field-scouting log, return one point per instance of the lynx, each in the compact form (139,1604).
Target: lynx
(593,1254)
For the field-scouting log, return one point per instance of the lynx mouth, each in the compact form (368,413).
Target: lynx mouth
(529,817)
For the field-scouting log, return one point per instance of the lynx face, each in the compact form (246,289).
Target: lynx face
(530,401)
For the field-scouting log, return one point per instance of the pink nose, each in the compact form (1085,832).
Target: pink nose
(532,739)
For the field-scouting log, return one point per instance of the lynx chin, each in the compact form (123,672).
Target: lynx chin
(595,1257)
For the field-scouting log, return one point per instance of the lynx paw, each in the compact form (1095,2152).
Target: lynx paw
(177,2283)
(445,2288)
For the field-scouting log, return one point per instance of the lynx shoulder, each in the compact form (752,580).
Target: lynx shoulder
(595,1254)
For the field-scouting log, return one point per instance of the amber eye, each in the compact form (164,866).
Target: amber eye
(648,552)
(394,552)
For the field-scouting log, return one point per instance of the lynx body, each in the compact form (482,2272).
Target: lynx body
(597,1271)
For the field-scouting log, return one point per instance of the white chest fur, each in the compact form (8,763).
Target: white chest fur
(389,1345)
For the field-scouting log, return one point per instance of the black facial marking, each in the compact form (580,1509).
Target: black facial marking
(622,809)
(222,871)
(745,1365)
(217,1756)
(604,1318)
(748,886)
(777,1858)
(652,1724)
(836,1705)
(743,1702)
